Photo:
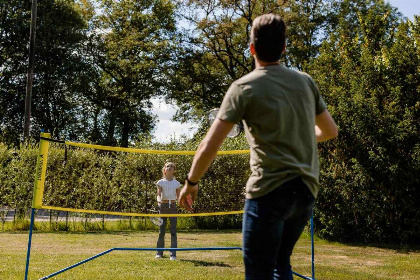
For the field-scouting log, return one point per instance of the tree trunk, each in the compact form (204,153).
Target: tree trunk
(96,132)
(125,132)
(111,130)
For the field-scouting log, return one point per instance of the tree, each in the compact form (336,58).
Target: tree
(369,175)
(131,48)
(60,41)
(216,49)
(60,36)
(14,30)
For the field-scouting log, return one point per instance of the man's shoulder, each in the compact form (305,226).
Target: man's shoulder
(303,75)
(256,75)
(298,77)
(295,73)
(247,84)
(249,78)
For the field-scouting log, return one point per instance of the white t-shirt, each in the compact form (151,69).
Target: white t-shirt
(168,188)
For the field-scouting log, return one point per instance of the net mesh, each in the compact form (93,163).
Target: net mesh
(124,182)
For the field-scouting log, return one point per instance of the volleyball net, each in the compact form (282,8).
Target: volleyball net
(94,179)
(86,178)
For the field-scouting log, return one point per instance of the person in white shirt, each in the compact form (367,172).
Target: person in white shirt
(168,190)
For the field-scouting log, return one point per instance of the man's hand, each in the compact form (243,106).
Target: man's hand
(187,196)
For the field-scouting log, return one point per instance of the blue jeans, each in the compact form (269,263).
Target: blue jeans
(165,208)
(272,225)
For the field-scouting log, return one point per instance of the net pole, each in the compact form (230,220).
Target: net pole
(312,245)
(41,169)
(28,254)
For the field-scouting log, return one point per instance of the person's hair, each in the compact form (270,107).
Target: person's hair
(268,34)
(166,163)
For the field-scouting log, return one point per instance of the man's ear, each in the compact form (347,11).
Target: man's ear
(252,49)
(284,49)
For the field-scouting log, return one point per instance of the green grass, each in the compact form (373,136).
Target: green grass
(54,251)
(78,223)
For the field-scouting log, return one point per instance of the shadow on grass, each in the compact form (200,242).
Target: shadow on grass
(398,248)
(204,263)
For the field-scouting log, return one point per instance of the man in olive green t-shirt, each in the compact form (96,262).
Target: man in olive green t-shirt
(278,108)
(284,117)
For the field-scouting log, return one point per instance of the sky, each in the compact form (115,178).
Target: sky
(167,129)
(408,8)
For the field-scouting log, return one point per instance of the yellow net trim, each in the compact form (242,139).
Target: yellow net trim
(38,195)
(138,214)
(143,151)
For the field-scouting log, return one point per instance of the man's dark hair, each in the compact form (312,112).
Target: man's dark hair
(268,34)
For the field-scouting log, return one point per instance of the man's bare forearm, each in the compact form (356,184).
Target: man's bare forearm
(325,127)
(322,137)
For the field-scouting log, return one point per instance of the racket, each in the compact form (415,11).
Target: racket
(157,221)
(235,131)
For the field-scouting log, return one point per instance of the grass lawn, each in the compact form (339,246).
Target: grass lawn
(54,251)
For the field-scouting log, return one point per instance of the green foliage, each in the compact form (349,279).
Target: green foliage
(369,175)
(97,64)
(126,182)
(57,94)
(14,32)
(215,52)
(16,178)
(130,56)
(60,35)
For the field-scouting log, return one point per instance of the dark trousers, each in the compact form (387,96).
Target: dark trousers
(165,208)
(272,225)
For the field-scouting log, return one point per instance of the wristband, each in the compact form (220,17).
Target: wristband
(190,183)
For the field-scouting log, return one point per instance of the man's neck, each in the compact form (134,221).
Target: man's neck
(259,63)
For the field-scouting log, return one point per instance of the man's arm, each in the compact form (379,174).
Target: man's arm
(325,127)
(206,152)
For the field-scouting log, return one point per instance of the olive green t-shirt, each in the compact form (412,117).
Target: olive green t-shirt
(277,106)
